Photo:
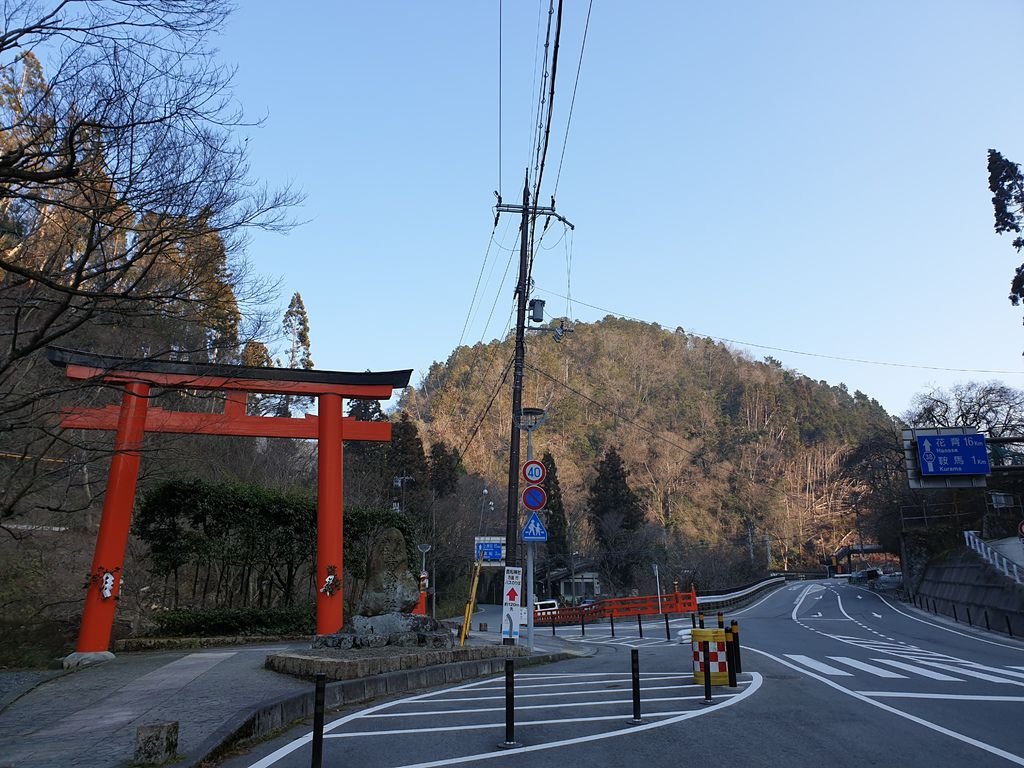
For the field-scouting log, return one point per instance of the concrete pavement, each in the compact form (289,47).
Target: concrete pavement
(88,718)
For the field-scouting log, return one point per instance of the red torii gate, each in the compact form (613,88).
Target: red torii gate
(134,418)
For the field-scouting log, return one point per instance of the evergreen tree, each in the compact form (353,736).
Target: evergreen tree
(295,326)
(407,470)
(445,467)
(296,331)
(617,516)
(557,524)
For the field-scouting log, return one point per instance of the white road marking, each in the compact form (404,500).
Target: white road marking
(755,684)
(818,665)
(477,710)
(941,696)
(950,629)
(867,667)
(752,687)
(971,673)
(876,615)
(919,671)
(482,726)
(1015,759)
(859,597)
(617,689)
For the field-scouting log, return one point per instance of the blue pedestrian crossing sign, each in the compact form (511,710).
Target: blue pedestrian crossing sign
(535,530)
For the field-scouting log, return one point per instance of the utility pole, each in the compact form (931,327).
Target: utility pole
(528,213)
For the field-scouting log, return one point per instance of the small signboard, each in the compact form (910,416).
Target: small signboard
(534,498)
(489,549)
(952,455)
(534,529)
(510,610)
(534,472)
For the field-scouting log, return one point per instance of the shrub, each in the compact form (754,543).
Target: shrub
(213,622)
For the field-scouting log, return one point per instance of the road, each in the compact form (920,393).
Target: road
(833,675)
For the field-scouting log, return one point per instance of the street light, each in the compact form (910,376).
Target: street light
(423,548)
(483,503)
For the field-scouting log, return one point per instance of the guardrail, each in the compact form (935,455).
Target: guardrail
(1009,568)
(730,598)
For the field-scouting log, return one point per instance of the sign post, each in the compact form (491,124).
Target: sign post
(510,611)
(533,532)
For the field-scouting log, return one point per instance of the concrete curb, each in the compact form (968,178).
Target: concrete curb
(279,713)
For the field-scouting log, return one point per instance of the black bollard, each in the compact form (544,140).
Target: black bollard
(640,626)
(510,706)
(611,621)
(635,663)
(721,620)
(969,622)
(668,631)
(1009,628)
(552,625)
(706,654)
(583,624)
(736,645)
(986,622)
(693,620)
(318,721)
(730,656)
(700,620)
(955,617)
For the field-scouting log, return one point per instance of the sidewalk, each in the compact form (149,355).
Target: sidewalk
(88,718)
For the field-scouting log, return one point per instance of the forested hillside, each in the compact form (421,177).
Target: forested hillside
(721,450)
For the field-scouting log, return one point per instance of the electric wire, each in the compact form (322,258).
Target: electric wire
(499,95)
(632,422)
(840,358)
(480,419)
(572,101)
(476,289)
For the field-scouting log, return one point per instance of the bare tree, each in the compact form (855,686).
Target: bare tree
(125,201)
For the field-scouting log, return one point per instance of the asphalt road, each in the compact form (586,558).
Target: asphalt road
(833,675)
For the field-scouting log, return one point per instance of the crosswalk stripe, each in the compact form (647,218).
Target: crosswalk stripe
(820,666)
(864,666)
(918,670)
(972,673)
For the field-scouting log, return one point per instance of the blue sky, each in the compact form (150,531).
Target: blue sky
(801,175)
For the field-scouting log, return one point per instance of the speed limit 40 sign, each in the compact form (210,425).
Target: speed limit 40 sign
(534,472)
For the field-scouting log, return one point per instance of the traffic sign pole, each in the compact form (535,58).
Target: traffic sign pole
(530,546)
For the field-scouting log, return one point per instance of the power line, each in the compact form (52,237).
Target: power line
(616,414)
(487,409)
(820,355)
(572,101)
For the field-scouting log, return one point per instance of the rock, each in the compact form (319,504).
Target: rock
(390,586)
(398,629)
(156,744)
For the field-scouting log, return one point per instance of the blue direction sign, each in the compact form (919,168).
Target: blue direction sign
(534,529)
(952,455)
(491,551)
(534,498)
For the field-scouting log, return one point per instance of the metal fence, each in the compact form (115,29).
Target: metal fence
(1009,568)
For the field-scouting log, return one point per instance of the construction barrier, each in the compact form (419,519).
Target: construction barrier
(618,607)
(717,658)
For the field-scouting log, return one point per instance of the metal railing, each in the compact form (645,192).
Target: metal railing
(1009,568)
